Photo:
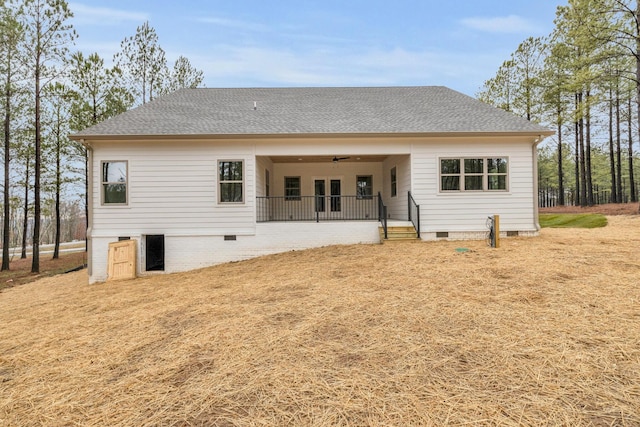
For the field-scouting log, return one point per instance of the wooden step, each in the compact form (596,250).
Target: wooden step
(399,233)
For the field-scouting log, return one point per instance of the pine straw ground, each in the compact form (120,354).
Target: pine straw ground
(543,331)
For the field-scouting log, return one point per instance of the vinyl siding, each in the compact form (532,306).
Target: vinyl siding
(263,164)
(173,188)
(397,206)
(468,211)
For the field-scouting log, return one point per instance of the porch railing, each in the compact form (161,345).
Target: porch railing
(414,213)
(382,215)
(316,208)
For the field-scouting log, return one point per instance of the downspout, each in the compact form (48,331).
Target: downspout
(89,205)
(534,155)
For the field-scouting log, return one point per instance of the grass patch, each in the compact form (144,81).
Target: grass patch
(572,220)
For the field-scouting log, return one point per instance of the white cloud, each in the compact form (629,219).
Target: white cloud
(233,66)
(84,14)
(500,24)
(234,24)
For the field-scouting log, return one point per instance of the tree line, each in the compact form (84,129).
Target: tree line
(583,80)
(48,91)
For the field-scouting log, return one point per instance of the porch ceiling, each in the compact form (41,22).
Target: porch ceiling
(328,159)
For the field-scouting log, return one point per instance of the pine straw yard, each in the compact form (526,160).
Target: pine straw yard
(543,331)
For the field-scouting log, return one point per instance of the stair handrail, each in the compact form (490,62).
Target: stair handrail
(382,214)
(415,219)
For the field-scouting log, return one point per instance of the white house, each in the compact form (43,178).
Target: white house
(205,176)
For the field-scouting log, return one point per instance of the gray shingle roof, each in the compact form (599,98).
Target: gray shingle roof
(324,110)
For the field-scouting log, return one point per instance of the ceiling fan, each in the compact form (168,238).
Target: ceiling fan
(336,159)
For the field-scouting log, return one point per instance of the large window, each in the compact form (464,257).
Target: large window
(292,188)
(114,182)
(231,181)
(364,186)
(474,174)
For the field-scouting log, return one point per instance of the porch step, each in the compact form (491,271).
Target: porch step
(398,233)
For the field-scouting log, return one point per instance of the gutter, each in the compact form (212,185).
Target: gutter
(534,155)
(174,137)
(89,204)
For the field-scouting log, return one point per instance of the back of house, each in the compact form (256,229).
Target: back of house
(205,176)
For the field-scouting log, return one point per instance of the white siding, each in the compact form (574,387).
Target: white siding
(466,212)
(172,188)
(397,205)
(263,165)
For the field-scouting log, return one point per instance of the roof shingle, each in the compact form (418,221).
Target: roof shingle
(322,110)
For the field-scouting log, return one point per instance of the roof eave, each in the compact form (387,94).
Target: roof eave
(533,133)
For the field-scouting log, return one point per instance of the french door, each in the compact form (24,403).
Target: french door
(327,202)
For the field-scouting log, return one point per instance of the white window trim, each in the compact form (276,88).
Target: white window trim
(244,194)
(102,183)
(485,174)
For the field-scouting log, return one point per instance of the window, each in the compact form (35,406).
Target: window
(114,183)
(231,178)
(267,182)
(474,174)
(497,174)
(292,188)
(364,187)
(394,182)
(450,174)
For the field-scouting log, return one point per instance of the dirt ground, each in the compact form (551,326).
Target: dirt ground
(20,269)
(543,331)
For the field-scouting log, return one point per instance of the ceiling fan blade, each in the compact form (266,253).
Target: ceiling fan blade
(336,158)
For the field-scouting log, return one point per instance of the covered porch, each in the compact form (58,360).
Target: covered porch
(345,187)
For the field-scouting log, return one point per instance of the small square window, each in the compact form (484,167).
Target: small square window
(472,166)
(450,183)
(497,182)
(473,182)
(449,166)
(497,165)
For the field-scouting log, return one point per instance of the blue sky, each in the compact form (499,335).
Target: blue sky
(247,43)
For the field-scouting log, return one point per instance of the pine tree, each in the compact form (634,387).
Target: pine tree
(99,94)
(48,37)
(143,62)
(59,99)
(11,34)
(184,75)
